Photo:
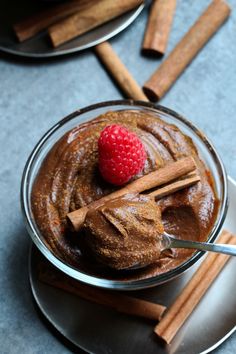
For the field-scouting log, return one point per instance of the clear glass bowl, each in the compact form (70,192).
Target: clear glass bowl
(206,151)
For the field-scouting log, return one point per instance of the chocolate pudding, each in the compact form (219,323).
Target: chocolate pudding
(125,232)
(69,179)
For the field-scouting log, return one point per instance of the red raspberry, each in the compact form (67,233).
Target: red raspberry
(121,154)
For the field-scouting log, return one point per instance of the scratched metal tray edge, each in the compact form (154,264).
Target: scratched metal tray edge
(61,329)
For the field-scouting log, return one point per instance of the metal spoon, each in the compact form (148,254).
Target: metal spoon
(169,241)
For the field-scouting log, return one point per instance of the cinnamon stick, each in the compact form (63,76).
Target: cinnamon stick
(32,25)
(198,35)
(175,186)
(119,302)
(98,13)
(119,72)
(159,26)
(154,179)
(190,296)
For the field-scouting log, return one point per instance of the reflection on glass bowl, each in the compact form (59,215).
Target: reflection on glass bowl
(205,149)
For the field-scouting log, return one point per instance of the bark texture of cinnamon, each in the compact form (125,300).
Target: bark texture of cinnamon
(154,179)
(198,35)
(83,21)
(159,26)
(175,186)
(119,72)
(193,292)
(117,301)
(32,25)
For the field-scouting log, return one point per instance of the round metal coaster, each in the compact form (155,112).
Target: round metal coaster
(11,11)
(99,329)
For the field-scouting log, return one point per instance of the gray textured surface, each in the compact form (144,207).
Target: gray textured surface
(34,95)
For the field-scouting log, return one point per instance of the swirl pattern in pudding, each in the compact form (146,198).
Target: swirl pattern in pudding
(69,179)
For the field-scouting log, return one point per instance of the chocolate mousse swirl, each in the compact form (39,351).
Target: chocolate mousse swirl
(125,232)
(69,179)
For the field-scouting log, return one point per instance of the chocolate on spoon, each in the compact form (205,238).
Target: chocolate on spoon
(127,233)
(124,231)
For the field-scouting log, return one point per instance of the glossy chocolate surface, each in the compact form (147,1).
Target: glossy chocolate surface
(69,179)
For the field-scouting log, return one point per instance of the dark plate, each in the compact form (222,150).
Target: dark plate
(11,11)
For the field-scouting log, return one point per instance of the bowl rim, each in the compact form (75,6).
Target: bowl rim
(119,284)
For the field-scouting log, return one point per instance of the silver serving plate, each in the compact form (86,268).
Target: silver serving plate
(11,11)
(97,329)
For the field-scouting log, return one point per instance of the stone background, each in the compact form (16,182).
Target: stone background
(36,94)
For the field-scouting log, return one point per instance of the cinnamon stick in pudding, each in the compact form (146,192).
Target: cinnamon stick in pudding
(119,302)
(159,26)
(184,52)
(154,179)
(32,25)
(119,72)
(98,13)
(175,186)
(190,296)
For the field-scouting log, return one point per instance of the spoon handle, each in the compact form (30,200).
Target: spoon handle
(172,242)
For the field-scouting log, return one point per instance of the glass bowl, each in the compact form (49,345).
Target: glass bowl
(206,151)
